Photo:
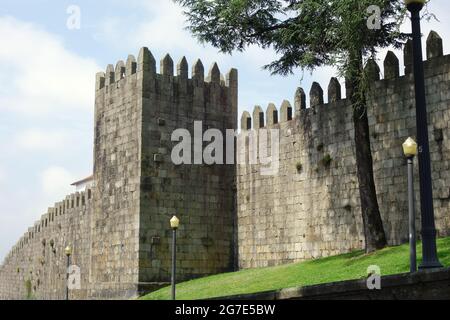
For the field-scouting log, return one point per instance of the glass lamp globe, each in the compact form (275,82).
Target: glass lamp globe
(68,251)
(174,222)
(410,148)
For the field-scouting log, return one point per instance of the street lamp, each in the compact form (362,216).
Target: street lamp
(410,151)
(429,252)
(174,223)
(68,252)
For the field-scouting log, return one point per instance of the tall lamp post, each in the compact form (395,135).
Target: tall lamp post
(174,223)
(410,151)
(68,252)
(429,251)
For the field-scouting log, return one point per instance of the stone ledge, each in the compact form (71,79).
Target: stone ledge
(428,284)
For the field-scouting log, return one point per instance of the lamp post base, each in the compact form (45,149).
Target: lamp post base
(430,265)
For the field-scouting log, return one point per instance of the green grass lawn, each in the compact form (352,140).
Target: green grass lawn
(349,266)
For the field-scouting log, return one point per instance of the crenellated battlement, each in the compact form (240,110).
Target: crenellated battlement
(75,203)
(391,65)
(202,94)
(146,63)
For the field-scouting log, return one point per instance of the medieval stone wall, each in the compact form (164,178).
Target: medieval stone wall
(121,235)
(36,266)
(229,213)
(311,207)
(117,154)
(201,195)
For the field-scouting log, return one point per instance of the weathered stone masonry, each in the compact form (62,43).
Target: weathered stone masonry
(311,208)
(121,236)
(230,214)
(37,261)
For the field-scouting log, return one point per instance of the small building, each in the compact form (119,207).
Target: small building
(83,184)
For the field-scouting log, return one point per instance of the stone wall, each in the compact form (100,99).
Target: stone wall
(202,196)
(121,234)
(311,207)
(36,266)
(117,146)
(229,213)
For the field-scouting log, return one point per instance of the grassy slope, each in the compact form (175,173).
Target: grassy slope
(343,267)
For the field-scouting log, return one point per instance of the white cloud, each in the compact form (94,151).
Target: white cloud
(56,182)
(164,31)
(39,74)
(165,28)
(41,82)
(37,139)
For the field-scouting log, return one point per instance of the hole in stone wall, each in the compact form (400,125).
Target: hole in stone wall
(438,135)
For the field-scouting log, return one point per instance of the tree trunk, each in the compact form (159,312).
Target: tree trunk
(374,234)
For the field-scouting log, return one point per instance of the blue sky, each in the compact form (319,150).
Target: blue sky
(47,75)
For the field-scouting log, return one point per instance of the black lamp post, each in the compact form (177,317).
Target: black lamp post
(429,251)
(410,151)
(174,223)
(68,252)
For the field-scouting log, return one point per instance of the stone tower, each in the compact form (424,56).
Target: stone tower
(138,188)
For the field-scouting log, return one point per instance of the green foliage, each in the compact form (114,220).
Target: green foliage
(326,160)
(353,265)
(305,33)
